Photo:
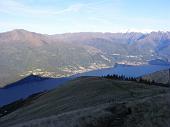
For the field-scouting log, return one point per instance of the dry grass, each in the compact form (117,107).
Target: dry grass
(95,102)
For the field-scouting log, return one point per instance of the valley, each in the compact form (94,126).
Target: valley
(58,77)
(38,82)
(84,63)
(23,52)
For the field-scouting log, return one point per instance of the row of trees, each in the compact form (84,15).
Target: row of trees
(122,77)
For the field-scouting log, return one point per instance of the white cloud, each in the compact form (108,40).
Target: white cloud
(18,8)
(72,8)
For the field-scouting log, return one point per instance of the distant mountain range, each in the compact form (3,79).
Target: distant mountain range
(23,52)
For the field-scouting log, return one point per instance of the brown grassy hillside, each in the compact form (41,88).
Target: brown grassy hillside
(96,102)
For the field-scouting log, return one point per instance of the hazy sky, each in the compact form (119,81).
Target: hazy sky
(61,16)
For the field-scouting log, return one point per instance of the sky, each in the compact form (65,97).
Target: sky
(63,16)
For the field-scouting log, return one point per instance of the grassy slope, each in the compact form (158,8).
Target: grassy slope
(92,101)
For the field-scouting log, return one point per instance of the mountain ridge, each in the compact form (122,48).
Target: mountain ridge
(20,29)
(23,52)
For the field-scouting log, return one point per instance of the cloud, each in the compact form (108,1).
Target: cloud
(72,8)
(17,8)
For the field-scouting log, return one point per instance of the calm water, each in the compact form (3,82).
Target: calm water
(126,70)
(11,94)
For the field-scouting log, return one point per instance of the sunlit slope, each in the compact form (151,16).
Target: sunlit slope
(91,100)
(22,52)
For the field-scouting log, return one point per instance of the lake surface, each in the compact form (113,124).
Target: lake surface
(10,94)
(18,91)
(126,70)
